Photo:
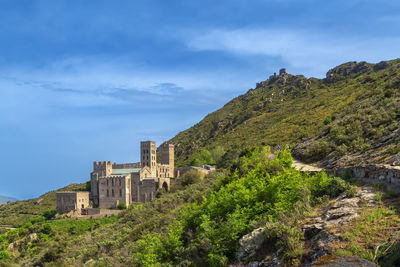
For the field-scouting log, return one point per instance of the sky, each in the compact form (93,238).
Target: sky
(84,81)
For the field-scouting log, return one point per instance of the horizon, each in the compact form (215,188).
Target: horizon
(87,82)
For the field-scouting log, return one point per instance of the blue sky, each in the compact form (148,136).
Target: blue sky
(87,80)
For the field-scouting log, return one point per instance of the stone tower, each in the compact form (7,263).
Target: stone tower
(167,157)
(148,157)
(101,168)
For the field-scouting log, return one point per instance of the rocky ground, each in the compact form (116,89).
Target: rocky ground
(318,232)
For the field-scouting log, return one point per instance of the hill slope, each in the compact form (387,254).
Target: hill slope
(4,199)
(288,109)
(17,212)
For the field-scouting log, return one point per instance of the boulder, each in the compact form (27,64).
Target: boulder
(250,244)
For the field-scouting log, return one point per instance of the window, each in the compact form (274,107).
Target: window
(112,192)
(107,182)
(120,192)
(120,182)
(112,181)
(108,193)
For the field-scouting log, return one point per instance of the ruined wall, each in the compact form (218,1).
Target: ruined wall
(387,174)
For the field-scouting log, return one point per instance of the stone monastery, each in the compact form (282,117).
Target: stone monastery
(113,184)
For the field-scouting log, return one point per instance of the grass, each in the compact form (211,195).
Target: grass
(362,236)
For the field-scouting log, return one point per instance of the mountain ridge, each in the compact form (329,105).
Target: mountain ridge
(4,199)
(292,110)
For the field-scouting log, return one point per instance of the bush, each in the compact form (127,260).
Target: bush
(351,191)
(378,196)
(121,206)
(192,177)
(49,214)
(319,150)
(288,239)
(4,254)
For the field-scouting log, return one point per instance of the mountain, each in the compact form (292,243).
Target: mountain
(4,199)
(255,207)
(349,117)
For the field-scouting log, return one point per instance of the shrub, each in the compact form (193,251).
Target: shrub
(288,239)
(351,191)
(191,177)
(121,206)
(49,214)
(378,196)
(319,149)
(4,254)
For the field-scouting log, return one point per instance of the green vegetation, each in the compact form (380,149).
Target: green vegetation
(355,112)
(207,233)
(351,115)
(199,223)
(17,212)
(372,229)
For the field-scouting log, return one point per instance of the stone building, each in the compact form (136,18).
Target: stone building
(112,183)
(72,201)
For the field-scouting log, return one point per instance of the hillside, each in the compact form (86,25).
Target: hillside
(351,115)
(17,212)
(220,219)
(4,199)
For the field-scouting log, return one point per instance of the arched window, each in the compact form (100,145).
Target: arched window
(120,182)
(108,192)
(112,192)
(107,182)
(120,192)
(112,181)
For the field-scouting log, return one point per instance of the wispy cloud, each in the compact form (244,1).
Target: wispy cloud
(308,52)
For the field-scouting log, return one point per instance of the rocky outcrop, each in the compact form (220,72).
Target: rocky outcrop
(347,69)
(341,211)
(255,250)
(250,243)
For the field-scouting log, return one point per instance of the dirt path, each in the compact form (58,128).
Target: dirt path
(299,165)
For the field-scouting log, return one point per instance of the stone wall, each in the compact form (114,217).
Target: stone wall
(373,174)
(72,201)
(114,190)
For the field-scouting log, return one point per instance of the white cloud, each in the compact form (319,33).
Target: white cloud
(305,52)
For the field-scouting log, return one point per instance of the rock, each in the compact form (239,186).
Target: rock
(250,244)
(312,229)
(320,244)
(32,237)
(342,261)
(380,66)
(395,160)
(272,262)
(342,211)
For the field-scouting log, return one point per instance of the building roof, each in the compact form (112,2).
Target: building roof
(124,171)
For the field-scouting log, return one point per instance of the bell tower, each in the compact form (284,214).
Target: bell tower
(148,157)
(167,157)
